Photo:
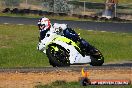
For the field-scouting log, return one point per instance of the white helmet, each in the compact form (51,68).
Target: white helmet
(44,22)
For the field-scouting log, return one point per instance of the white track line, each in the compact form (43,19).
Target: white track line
(124,33)
(103,31)
(6,23)
(113,32)
(20,24)
(89,30)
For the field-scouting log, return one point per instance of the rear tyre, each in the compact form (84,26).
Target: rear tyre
(58,56)
(97,58)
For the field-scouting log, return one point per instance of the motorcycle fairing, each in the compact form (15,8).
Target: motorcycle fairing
(75,56)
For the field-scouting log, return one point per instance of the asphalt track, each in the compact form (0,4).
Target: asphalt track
(72,68)
(100,26)
(87,25)
(115,66)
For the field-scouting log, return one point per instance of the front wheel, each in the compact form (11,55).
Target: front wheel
(58,56)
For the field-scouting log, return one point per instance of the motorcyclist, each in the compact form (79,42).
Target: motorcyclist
(60,29)
(44,26)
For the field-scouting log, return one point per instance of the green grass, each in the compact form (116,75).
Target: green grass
(48,16)
(115,46)
(55,17)
(18,46)
(38,16)
(63,84)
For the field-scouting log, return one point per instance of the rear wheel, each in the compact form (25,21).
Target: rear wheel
(97,58)
(58,56)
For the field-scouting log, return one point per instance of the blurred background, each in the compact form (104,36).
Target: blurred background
(68,7)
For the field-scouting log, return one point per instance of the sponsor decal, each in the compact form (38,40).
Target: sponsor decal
(110,82)
(84,80)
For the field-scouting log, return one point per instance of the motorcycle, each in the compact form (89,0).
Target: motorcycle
(69,49)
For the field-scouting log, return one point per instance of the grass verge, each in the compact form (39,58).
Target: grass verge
(55,17)
(18,46)
(70,18)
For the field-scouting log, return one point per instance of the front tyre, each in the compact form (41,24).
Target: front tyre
(58,56)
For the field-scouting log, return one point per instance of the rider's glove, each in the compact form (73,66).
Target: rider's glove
(41,46)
